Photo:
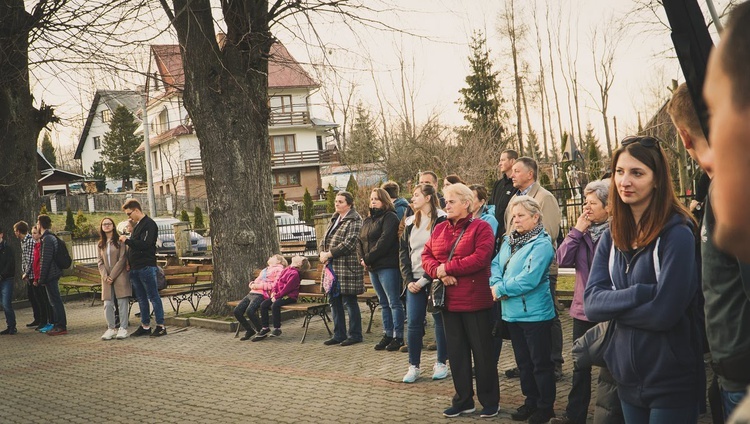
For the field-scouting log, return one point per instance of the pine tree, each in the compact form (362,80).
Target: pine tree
(351,185)
(118,149)
(48,150)
(70,223)
(281,206)
(43,210)
(198,217)
(97,173)
(533,150)
(594,160)
(481,101)
(330,199)
(309,207)
(184,216)
(363,145)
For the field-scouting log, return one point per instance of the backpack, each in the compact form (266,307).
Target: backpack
(330,282)
(61,256)
(161,279)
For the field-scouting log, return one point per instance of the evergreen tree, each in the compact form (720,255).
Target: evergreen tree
(43,210)
(481,101)
(363,145)
(309,207)
(184,216)
(594,159)
(330,199)
(281,206)
(118,149)
(351,186)
(198,217)
(70,223)
(533,150)
(97,173)
(48,150)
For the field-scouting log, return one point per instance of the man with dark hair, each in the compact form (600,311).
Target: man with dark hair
(429,177)
(7,272)
(524,173)
(49,275)
(502,189)
(726,280)
(142,260)
(401,204)
(21,231)
(727,95)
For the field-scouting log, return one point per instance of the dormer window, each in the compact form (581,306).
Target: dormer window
(106,116)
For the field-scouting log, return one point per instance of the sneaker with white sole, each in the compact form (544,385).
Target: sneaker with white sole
(439,371)
(412,375)
(122,334)
(109,334)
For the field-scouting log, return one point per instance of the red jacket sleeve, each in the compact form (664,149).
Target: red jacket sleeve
(483,241)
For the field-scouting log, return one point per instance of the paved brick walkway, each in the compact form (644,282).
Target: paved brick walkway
(196,375)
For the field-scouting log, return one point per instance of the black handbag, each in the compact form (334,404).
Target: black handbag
(436,301)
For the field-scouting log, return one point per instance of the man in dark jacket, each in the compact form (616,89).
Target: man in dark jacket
(49,276)
(7,272)
(502,189)
(142,260)
(726,280)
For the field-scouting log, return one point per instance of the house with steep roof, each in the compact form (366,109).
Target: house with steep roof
(51,180)
(100,114)
(298,140)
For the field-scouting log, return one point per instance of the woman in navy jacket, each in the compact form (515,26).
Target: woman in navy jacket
(644,279)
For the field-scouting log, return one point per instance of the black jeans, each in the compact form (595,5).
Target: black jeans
(249,305)
(46,316)
(531,346)
(275,309)
(31,295)
(467,334)
(580,392)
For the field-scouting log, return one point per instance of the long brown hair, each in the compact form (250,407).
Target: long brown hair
(103,235)
(428,190)
(664,202)
(382,195)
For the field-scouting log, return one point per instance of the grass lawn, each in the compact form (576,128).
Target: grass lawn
(566,282)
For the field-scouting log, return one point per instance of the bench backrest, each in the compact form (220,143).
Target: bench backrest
(87,273)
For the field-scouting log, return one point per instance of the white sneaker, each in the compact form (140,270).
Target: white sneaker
(109,334)
(439,371)
(412,375)
(122,334)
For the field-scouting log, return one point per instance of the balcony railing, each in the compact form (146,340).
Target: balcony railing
(289,118)
(194,167)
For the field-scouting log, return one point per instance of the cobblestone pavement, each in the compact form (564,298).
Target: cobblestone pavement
(196,375)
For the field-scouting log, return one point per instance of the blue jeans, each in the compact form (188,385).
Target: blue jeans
(730,400)
(144,284)
(249,305)
(531,346)
(6,298)
(416,311)
(638,415)
(387,284)
(339,319)
(59,319)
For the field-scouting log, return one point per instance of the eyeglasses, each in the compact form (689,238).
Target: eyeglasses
(128,213)
(643,141)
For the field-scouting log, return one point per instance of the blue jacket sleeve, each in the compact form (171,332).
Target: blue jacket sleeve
(536,264)
(676,287)
(601,302)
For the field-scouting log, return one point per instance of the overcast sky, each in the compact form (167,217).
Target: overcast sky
(434,47)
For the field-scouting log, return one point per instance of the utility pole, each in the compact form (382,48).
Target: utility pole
(147,144)
(715,16)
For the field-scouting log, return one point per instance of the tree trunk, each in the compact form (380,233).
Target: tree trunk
(226,92)
(20,124)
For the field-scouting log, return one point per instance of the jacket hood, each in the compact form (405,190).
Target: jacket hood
(401,202)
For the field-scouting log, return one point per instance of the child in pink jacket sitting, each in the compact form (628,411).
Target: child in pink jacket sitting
(284,292)
(260,290)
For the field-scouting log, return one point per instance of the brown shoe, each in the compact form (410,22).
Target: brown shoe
(432,346)
(404,348)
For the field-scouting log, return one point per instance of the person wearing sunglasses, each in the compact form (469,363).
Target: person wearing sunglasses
(644,280)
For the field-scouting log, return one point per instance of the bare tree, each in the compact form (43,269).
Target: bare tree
(604,43)
(515,34)
(552,74)
(540,83)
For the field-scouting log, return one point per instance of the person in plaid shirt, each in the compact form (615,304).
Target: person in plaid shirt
(21,230)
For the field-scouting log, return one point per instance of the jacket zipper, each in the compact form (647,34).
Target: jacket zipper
(523,299)
(628,262)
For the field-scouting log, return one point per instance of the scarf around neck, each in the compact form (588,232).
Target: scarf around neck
(517,240)
(596,230)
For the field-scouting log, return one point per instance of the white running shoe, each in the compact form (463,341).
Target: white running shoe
(109,334)
(122,334)
(439,371)
(412,375)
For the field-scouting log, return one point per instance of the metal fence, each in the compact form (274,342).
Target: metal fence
(167,204)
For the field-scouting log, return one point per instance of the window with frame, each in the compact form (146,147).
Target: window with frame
(281,104)
(283,144)
(286,179)
(154,160)
(97,143)
(106,115)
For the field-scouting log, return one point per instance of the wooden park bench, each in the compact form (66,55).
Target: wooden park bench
(310,289)
(88,278)
(184,283)
(293,248)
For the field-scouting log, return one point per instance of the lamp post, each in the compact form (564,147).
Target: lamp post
(147,149)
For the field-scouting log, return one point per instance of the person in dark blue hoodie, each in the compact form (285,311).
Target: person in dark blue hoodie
(644,280)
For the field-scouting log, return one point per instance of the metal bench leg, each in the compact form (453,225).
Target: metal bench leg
(308,316)
(324,316)
(237,333)
(373,307)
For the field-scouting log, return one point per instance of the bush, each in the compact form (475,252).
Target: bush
(352,186)
(307,202)
(330,199)
(282,203)
(184,216)
(198,217)
(81,218)
(70,223)
(43,210)
(85,230)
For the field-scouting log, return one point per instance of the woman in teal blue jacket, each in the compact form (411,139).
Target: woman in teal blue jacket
(520,280)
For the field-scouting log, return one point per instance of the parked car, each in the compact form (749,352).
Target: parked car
(292,229)
(165,238)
